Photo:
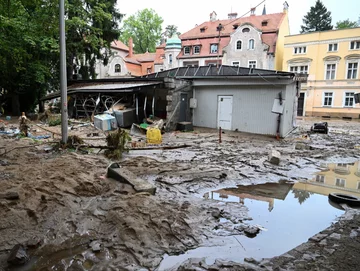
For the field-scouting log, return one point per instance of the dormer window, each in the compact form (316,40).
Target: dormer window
(235,26)
(264,23)
(246,30)
(117,68)
(213,48)
(202,30)
(187,50)
(197,49)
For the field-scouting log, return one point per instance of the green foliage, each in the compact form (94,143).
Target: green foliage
(116,141)
(317,19)
(144,28)
(171,30)
(346,24)
(54,122)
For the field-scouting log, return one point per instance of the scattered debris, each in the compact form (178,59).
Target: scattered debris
(24,124)
(321,127)
(18,255)
(95,246)
(123,175)
(274,157)
(105,122)
(116,141)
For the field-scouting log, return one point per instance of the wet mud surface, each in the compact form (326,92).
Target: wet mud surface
(70,216)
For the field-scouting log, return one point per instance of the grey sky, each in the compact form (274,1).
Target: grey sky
(187,13)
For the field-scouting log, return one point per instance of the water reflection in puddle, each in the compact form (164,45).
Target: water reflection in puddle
(290,215)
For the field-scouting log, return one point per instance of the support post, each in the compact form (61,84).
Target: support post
(63,82)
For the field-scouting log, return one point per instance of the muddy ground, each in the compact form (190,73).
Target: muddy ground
(68,209)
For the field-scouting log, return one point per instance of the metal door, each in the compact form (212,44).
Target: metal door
(301,100)
(183,107)
(225,112)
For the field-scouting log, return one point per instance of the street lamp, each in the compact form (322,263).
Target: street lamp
(63,83)
(218,28)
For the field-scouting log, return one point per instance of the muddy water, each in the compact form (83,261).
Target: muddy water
(287,216)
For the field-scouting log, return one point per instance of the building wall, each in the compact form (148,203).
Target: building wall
(109,70)
(284,30)
(200,61)
(316,59)
(252,106)
(258,54)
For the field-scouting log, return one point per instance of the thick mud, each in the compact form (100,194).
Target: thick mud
(70,216)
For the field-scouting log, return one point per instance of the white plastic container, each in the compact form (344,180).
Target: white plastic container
(105,122)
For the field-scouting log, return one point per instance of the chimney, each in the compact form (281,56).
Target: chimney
(130,47)
(213,16)
(252,11)
(232,15)
(286,7)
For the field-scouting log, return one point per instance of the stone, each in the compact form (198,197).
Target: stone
(216,214)
(126,176)
(353,234)
(318,237)
(251,260)
(95,246)
(251,231)
(12,195)
(336,236)
(18,255)
(330,251)
(274,157)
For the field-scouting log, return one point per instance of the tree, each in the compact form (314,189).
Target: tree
(301,195)
(144,28)
(317,19)
(171,30)
(346,24)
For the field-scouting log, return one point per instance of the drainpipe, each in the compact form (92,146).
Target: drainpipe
(137,108)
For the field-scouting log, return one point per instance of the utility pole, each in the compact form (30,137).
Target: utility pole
(218,28)
(63,82)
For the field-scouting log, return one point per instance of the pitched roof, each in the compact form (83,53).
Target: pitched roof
(273,24)
(205,47)
(270,39)
(116,44)
(139,58)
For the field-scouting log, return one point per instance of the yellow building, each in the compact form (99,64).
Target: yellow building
(332,61)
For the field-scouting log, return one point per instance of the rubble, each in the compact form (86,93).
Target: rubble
(18,255)
(274,157)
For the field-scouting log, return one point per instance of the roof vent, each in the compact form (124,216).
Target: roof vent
(252,11)
(213,16)
(232,15)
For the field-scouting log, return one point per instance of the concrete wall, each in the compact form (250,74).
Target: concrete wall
(109,70)
(259,53)
(252,107)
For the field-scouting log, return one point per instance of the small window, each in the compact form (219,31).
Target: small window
(300,50)
(355,45)
(117,68)
(202,30)
(320,179)
(252,64)
(148,70)
(170,59)
(186,50)
(213,48)
(246,30)
(196,49)
(330,71)
(333,47)
(238,45)
(235,63)
(264,23)
(349,99)
(251,44)
(340,182)
(352,70)
(328,98)
(299,69)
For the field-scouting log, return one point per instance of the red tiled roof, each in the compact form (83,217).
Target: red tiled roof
(270,39)
(205,48)
(138,58)
(160,53)
(273,24)
(116,44)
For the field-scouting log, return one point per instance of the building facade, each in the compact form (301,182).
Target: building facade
(331,59)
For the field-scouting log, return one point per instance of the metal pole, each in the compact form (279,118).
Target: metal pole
(63,82)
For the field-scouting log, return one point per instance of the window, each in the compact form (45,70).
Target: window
(186,50)
(355,45)
(330,71)
(352,70)
(117,68)
(238,45)
(299,69)
(340,182)
(264,23)
(196,49)
(320,178)
(300,50)
(170,59)
(349,99)
(148,70)
(333,47)
(246,30)
(235,63)
(213,48)
(252,64)
(328,98)
(251,44)
(202,30)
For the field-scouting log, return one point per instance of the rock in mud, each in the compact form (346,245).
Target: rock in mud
(18,255)
(12,195)
(95,246)
(274,157)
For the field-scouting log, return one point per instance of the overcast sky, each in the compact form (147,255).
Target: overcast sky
(185,14)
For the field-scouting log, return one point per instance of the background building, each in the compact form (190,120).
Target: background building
(332,59)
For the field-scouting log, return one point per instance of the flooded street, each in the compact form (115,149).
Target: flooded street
(212,201)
